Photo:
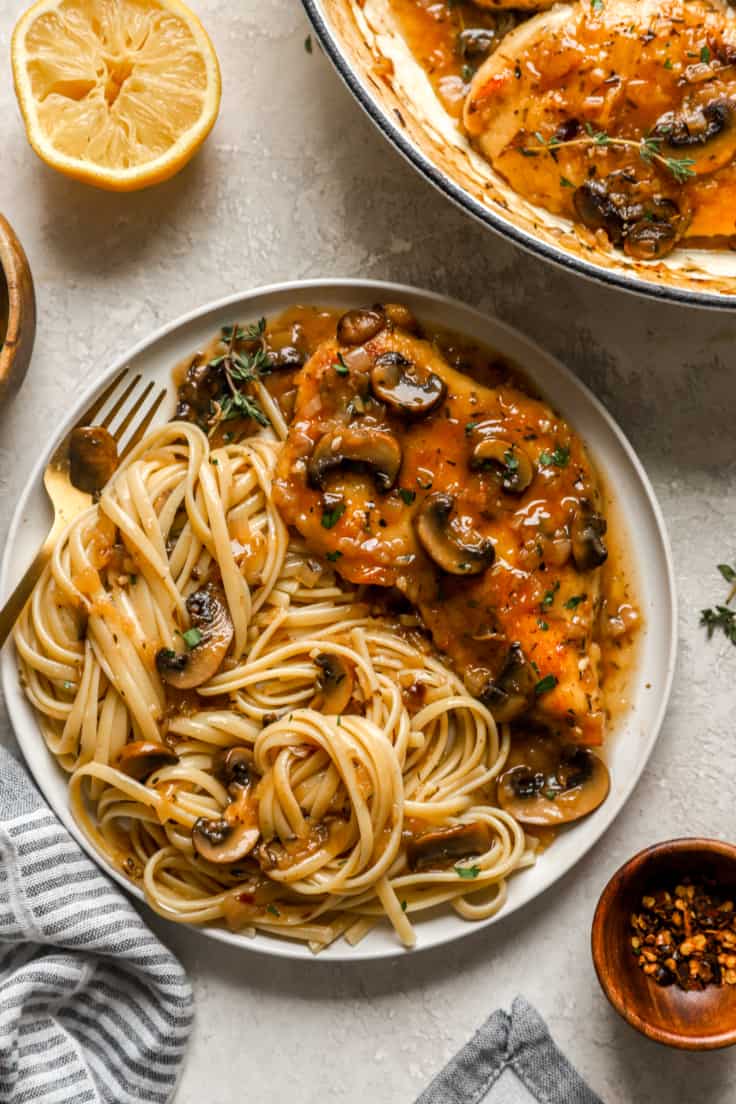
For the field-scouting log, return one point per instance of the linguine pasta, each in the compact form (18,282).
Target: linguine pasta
(334,798)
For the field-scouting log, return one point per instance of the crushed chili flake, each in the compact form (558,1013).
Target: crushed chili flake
(686,937)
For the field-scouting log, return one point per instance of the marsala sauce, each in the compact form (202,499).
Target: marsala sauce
(311,326)
(434,32)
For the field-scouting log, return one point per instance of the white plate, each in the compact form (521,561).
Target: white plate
(631,745)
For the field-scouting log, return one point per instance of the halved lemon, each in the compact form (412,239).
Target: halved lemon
(117,93)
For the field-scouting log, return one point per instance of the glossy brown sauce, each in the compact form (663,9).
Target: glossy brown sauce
(440,36)
(616,628)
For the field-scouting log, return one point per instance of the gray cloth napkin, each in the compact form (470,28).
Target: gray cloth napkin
(512,1058)
(93,1008)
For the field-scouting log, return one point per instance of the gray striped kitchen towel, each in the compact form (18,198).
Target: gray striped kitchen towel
(511,1059)
(93,1008)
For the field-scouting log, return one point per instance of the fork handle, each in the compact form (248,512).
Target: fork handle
(13,608)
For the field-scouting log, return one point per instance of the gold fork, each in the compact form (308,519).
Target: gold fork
(66,499)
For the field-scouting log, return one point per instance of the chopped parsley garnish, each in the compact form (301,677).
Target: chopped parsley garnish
(333,557)
(331,516)
(550,596)
(545,685)
(407,496)
(511,461)
(467,73)
(542,624)
(467,871)
(668,63)
(596,5)
(574,602)
(192,637)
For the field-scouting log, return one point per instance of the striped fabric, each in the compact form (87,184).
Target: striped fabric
(92,1006)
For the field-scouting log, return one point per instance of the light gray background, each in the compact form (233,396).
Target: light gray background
(294,182)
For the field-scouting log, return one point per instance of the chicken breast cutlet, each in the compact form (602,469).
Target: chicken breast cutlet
(478,503)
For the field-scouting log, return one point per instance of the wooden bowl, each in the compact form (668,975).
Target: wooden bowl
(702,1020)
(18,304)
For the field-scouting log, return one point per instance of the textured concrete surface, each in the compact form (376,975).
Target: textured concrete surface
(294,182)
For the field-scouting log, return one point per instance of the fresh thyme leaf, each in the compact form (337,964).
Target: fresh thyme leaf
(331,516)
(565,183)
(192,637)
(333,557)
(560,457)
(680,167)
(542,624)
(242,406)
(273,910)
(668,63)
(407,496)
(403,906)
(705,55)
(308,44)
(545,685)
(721,618)
(550,596)
(469,427)
(551,795)
(511,461)
(574,602)
(728,572)
(467,871)
(341,367)
(467,73)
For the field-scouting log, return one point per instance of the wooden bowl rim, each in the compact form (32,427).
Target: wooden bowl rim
(682,845)
(16,273)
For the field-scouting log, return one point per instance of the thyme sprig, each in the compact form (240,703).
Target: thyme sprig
(648,149)
(722,617)
(242,367)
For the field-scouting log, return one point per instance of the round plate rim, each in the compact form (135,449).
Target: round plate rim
(376,289)
(562,258)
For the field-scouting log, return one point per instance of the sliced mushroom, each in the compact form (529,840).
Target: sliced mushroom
(557,784)
(358,326)
(399,316)
(587,531)
(356,447)
(141,758)
(405,388)
(508,460)
(443,543)
(232,836)
(512,692)
(233,766)
(210,618)
(335,684)
(445,846)
(706,132)
(93,458)
(649,240)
